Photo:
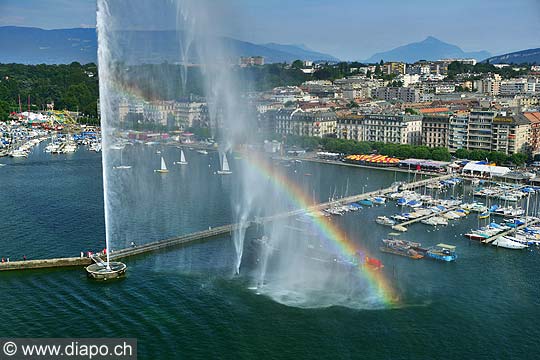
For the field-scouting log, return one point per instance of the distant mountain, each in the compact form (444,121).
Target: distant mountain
(530,56)
(35,46)
(428,49)
(301,51)
(28,45)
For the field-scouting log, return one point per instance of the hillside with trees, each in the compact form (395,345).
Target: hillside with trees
(72,87)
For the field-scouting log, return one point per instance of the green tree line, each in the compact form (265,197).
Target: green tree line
(492,156)
(349,147)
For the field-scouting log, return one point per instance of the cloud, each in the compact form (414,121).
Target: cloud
(13,20)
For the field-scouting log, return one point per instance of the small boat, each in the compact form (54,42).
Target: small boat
(204,152)
(163,169)
(507,243)
(430,221)
(474,236)
(383,220)
(366,202)
(442,252)
(483,215)
(414,204)
(182,159)
(374,264)
(402,248)
(122,167)
(399,228)
(225,167)
(378,200)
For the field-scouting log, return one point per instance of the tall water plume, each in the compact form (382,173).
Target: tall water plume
(150,55)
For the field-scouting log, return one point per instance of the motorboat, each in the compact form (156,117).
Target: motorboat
(442,252)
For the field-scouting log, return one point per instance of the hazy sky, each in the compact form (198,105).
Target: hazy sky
(348,29)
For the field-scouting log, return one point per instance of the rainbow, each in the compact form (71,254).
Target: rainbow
(298,197)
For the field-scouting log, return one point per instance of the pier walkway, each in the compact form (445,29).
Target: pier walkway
(207,234)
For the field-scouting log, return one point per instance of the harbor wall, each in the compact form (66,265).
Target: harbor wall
(45,263)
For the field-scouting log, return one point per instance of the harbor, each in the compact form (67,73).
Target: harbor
(201,235)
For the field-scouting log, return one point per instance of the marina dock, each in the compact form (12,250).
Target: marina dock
(409,222)
(206,234)
(508,232)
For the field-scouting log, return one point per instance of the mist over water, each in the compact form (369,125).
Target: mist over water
(291,260)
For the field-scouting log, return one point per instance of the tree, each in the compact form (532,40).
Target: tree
(440,154)
(298,64)
(462,154)
(497,157)
(4,110)
(519,158)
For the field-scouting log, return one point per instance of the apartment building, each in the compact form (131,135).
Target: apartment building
(405,94)
(510,133)
(397,68)
(457,131)
(435,130)
(534,134)
(504,132)
(350,127)
(251,60)
(479,130)
(300,123)
(399,129)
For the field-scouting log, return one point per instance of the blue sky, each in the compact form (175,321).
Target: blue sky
(348,29)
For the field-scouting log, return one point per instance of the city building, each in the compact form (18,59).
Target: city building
(435,130)
(251,60)
(534,135)
(490,85)
(479,130)
(399,129)
(300,123)
(405,94)
(457,131)
(510,133)
(188,114)
(350,127)
(397,68)
(504,132)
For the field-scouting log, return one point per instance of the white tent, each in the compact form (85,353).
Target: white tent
(472,168)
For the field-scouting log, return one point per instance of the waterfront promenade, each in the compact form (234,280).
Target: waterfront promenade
(205,234)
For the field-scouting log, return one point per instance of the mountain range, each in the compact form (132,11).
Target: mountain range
(29,45)
(530,56)
(429,49)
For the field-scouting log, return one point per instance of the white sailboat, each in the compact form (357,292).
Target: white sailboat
(508,243)
(182,159)
(225,167)
(122,167)
(163,169)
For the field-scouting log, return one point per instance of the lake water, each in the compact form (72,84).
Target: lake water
(185,303)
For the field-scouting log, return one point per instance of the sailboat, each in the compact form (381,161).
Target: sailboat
(122,167)
(163,169)
(182,159)
(225,167)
